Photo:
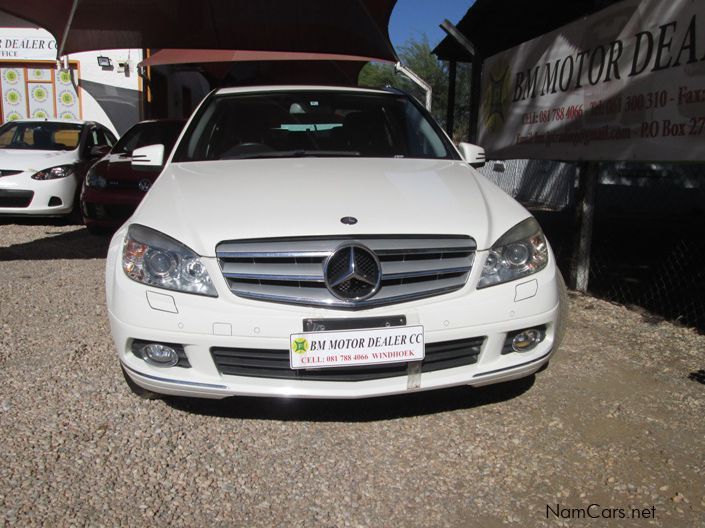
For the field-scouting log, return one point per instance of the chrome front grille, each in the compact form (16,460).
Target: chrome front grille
(292,270)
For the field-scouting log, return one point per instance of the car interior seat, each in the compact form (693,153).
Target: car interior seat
(366,132)
(42,138)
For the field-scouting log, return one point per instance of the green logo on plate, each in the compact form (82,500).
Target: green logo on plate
(300,345)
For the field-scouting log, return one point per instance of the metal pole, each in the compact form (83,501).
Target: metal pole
(399,67)
(588,172)
(461,39)
(450,115)
(475,82)
(475,89)
(67,28)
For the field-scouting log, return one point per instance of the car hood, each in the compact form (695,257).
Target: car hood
(118,169)
(204,203)
(35,160)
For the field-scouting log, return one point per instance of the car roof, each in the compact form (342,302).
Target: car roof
(69,121)
(297,87)
(166,120)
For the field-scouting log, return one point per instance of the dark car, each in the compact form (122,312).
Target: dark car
(113,187)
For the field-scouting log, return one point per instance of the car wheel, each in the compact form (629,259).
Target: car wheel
(137,390)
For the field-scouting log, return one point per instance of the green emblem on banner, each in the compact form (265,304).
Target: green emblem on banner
(11,76)
(67,98)
(496,96)
(39,94)
(13,97)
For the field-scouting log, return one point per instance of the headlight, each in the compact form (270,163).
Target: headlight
(152,258)
(53,173)
(95,180)
(521,251)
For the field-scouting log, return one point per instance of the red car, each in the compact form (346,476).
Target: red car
(113,188)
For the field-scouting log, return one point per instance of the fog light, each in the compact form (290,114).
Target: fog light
(526,340)
(160,355)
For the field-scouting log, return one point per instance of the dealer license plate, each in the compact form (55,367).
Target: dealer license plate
(400,344)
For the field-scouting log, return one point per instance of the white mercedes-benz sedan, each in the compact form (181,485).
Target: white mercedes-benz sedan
(325,242)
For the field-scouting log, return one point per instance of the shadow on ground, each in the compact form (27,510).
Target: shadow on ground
(364,410)
(56,244)
(698,376)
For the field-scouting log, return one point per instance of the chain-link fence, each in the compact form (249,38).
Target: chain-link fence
(538,184)
(648,245)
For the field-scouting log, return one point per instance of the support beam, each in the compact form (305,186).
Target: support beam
(450,114)
(400,68)
(588,172)
(476,80)
(461,39)
(475,89)
(67,28)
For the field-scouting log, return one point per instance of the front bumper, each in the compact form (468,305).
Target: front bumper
(202,323)
(48,198)
(108,207)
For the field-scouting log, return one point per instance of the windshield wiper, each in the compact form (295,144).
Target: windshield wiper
(325,153)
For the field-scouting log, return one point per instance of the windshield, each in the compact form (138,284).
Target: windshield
(40,136)
(143,134)
(311,123)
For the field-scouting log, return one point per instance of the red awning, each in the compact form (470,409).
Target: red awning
(200,56)
(350,27)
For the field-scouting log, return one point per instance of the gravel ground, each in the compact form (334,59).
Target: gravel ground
(616,420)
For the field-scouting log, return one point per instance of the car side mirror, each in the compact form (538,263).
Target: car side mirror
(472,154)
(149,156)
(99,151)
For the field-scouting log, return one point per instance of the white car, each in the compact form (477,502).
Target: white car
(43,163)
(326,242)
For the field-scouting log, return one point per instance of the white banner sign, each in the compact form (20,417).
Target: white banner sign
(627,83)
(26,44)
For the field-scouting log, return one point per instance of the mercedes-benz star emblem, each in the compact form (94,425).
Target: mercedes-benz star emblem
(144,184)
(352,273)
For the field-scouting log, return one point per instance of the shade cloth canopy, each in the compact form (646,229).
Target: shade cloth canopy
(351,27)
